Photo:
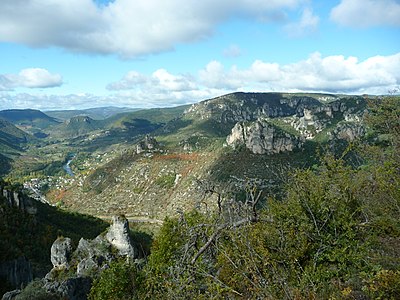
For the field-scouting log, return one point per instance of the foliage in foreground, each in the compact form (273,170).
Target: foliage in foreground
(117,282)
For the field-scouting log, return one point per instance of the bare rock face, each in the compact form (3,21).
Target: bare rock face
(241,106)
(72,288)
(93,255)
(262,138)
(348,131)
(18,200)
(17,272)
(61,251)
(118,236)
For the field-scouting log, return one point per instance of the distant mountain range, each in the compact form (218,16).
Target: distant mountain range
(98,113)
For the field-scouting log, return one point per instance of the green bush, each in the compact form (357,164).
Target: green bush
(117,282)
(384,285)
(36,291)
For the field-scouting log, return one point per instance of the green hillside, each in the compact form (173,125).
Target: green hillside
(12,139)
(253,195)
(28,118)
(153,115)
(76,126)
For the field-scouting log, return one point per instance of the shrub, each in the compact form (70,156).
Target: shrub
(117,282)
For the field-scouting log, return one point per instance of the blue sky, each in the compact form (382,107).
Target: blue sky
(58,54)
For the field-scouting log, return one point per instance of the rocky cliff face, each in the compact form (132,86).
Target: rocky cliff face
(17,272)
(260,137)
(238,107)
(348,131)
(18,200)
(308,115)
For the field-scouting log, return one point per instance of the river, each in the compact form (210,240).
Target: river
(67,168)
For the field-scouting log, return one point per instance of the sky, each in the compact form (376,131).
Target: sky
(75,54)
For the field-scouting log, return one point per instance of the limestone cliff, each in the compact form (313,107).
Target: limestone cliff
(17,272)
(348,131)
(18,200)
(260,137)
(240,106)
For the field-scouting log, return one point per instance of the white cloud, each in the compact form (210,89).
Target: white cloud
(164,81)
(131,80)
(307,25)
(128,28)
(30,78)
(333,74)
(367,13)
(161,81)
(214,75)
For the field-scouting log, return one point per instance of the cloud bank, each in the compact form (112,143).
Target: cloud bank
(336,74)
(124,27)
(332,74)
(367,13)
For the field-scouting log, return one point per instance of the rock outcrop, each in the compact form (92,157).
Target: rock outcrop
(118,236)
(348,131)
(61,252)
(309,115)
(18,200)
(73,270)
(260,137)
(75,288)
(11,295)
(147,144)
